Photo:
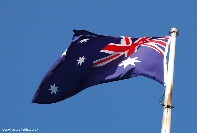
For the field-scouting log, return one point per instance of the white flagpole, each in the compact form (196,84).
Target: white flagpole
(167,113)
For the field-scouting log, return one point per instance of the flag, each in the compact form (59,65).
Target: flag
(93,59)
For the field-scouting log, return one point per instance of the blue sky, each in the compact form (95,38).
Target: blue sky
(33,34)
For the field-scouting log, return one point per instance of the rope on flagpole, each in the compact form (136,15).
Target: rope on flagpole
(162,104)
(161,99)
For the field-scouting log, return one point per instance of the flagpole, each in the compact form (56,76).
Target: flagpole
(167,113)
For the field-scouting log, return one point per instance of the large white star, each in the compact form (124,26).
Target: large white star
(81,60)
(53,89)
(129,61)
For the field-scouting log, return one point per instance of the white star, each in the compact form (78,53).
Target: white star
(81,60)
(64,53)
(53,89)
(129,61)
(84,40)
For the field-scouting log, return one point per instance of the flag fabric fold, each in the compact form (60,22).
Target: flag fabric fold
(93,59)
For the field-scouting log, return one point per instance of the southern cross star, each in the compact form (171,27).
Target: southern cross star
(81,60)
(84,40)
(53,89)
(129,61)
(64,53)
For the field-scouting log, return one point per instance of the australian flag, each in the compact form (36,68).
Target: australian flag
(93,59)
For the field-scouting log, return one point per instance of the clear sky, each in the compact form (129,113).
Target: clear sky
(33,34)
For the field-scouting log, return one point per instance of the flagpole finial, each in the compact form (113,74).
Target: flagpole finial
(174,31)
